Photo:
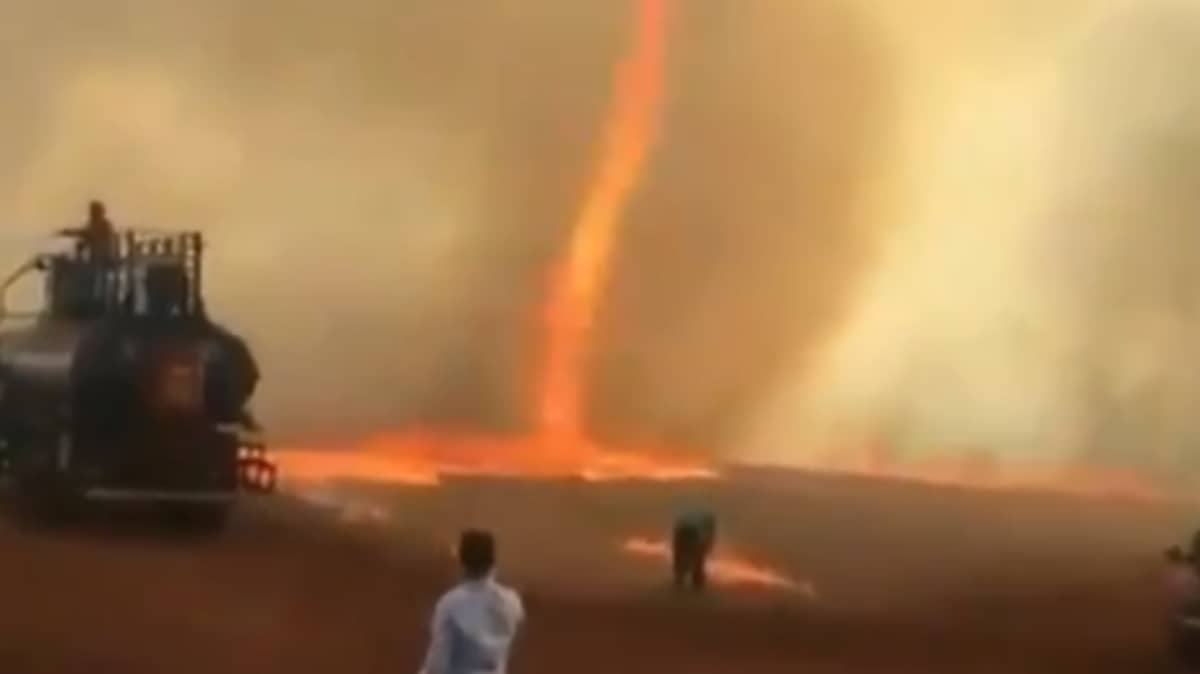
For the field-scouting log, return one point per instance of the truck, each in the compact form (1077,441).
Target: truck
(120,388)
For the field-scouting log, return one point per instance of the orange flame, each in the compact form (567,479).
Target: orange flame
(725,568)
(560,446)
(576,284)
(423,458)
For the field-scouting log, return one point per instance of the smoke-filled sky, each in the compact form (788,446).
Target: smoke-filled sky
(955,226)
(1036,297)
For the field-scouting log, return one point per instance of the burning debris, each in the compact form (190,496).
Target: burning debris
(726,568)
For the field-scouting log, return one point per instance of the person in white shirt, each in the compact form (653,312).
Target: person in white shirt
(1183,604)
(1183,582)
(474,623)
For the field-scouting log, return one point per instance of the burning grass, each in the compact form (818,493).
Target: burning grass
(419,458)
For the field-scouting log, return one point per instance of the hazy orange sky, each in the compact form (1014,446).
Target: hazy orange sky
(954,225)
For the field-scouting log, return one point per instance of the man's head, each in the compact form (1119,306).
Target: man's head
(96,209)
(1175,555)
(477,553)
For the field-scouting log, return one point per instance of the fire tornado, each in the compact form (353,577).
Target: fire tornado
(559,445)
(577,283)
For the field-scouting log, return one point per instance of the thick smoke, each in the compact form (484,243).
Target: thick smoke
(384,184)
(1137,270)
(380,180)
(747,241)
(1038,301)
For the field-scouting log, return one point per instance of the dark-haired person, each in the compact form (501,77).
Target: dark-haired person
(474,623)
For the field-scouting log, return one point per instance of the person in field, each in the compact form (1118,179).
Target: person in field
(692,541)
(1183,604)
(475,622)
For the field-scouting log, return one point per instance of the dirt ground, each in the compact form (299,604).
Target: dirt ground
(910,579)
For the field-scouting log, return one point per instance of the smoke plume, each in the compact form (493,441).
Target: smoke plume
(1036,302)
(748,240)
(948,228)
(385,183)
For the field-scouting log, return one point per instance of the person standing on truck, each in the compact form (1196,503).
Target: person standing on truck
(97,237)
(96,241)
(474,623)
(692,541)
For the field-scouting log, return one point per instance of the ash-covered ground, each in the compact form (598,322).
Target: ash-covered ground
(908,578)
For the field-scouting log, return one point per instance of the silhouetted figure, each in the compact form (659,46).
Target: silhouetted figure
(96,244)
(474,624)
(1183,588)
(97,238)
(692,541)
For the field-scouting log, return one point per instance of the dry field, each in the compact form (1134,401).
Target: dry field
(908,579)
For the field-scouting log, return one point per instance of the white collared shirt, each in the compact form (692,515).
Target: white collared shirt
(473,629)
(1183,585)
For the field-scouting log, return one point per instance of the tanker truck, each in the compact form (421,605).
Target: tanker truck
(119,388)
